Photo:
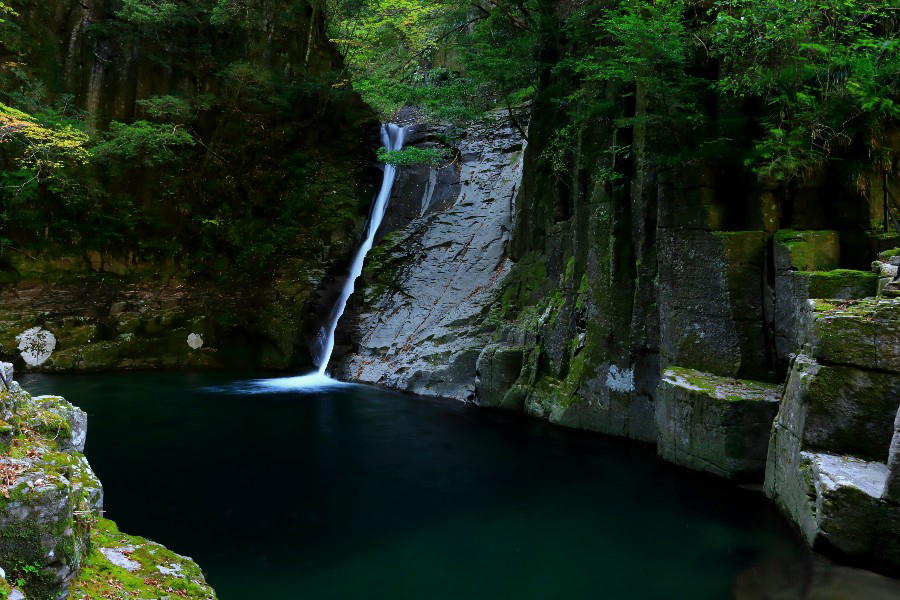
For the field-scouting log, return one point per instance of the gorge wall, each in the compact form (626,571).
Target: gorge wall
(668,306)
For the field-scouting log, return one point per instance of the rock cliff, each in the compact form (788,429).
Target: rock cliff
(431,280)
(54,542)
(676,306)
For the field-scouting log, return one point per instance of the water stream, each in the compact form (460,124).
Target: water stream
(392,137)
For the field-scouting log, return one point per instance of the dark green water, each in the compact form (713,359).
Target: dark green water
(360,493)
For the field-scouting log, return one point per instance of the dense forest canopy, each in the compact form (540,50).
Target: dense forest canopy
(818,78)
(235,89)
(208,131)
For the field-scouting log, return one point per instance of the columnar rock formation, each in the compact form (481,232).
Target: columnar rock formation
(834,436)
(670,309)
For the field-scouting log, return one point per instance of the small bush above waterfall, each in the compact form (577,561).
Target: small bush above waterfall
(430,157)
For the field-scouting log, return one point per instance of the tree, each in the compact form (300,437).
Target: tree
(41,150)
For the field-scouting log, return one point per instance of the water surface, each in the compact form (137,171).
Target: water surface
(354,492)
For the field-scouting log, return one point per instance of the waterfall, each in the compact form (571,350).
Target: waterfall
(392,137)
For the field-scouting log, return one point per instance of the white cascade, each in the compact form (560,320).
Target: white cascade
(392,137)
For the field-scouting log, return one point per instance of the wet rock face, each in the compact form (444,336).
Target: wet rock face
(710,308)
(497,370)
(429,283)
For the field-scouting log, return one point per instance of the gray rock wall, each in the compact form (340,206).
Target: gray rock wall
(833,449)
(424,330)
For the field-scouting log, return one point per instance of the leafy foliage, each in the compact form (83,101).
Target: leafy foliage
(828,71)
(40,149)
(436,55)
(819,78)
(412,156)
(142,143)
(226,167)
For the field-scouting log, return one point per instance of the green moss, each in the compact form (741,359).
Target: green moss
(383,265)
(889,253)
(584,289)
(840,283)
(723,388)
(520,287)
(102,579)
(569,274)
(809,250)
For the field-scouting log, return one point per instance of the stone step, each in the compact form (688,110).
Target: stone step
(863,333)
(837,504)
(715,424)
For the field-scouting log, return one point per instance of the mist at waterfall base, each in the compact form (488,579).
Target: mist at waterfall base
(354,492)
(392,137)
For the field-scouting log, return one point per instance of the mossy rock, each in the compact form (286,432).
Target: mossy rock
(716,424)
(840,283)
(807,250)
(130,566)
(863,333)
(850,411)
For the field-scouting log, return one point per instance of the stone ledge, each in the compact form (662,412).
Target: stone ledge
(715,424)
(843,511)
(863,333)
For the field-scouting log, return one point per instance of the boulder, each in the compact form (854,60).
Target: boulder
(838,409)
(863,333)
(826,463)
(715,424)
(836,501)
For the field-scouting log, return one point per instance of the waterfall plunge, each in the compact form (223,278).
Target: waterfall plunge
(392,137)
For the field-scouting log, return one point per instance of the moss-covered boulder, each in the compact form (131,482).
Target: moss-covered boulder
(121,565)
(836,502)
(826,463)
(53,542)
(838,409)
(794,289)
(49,496)
(715,424)
(864,333)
